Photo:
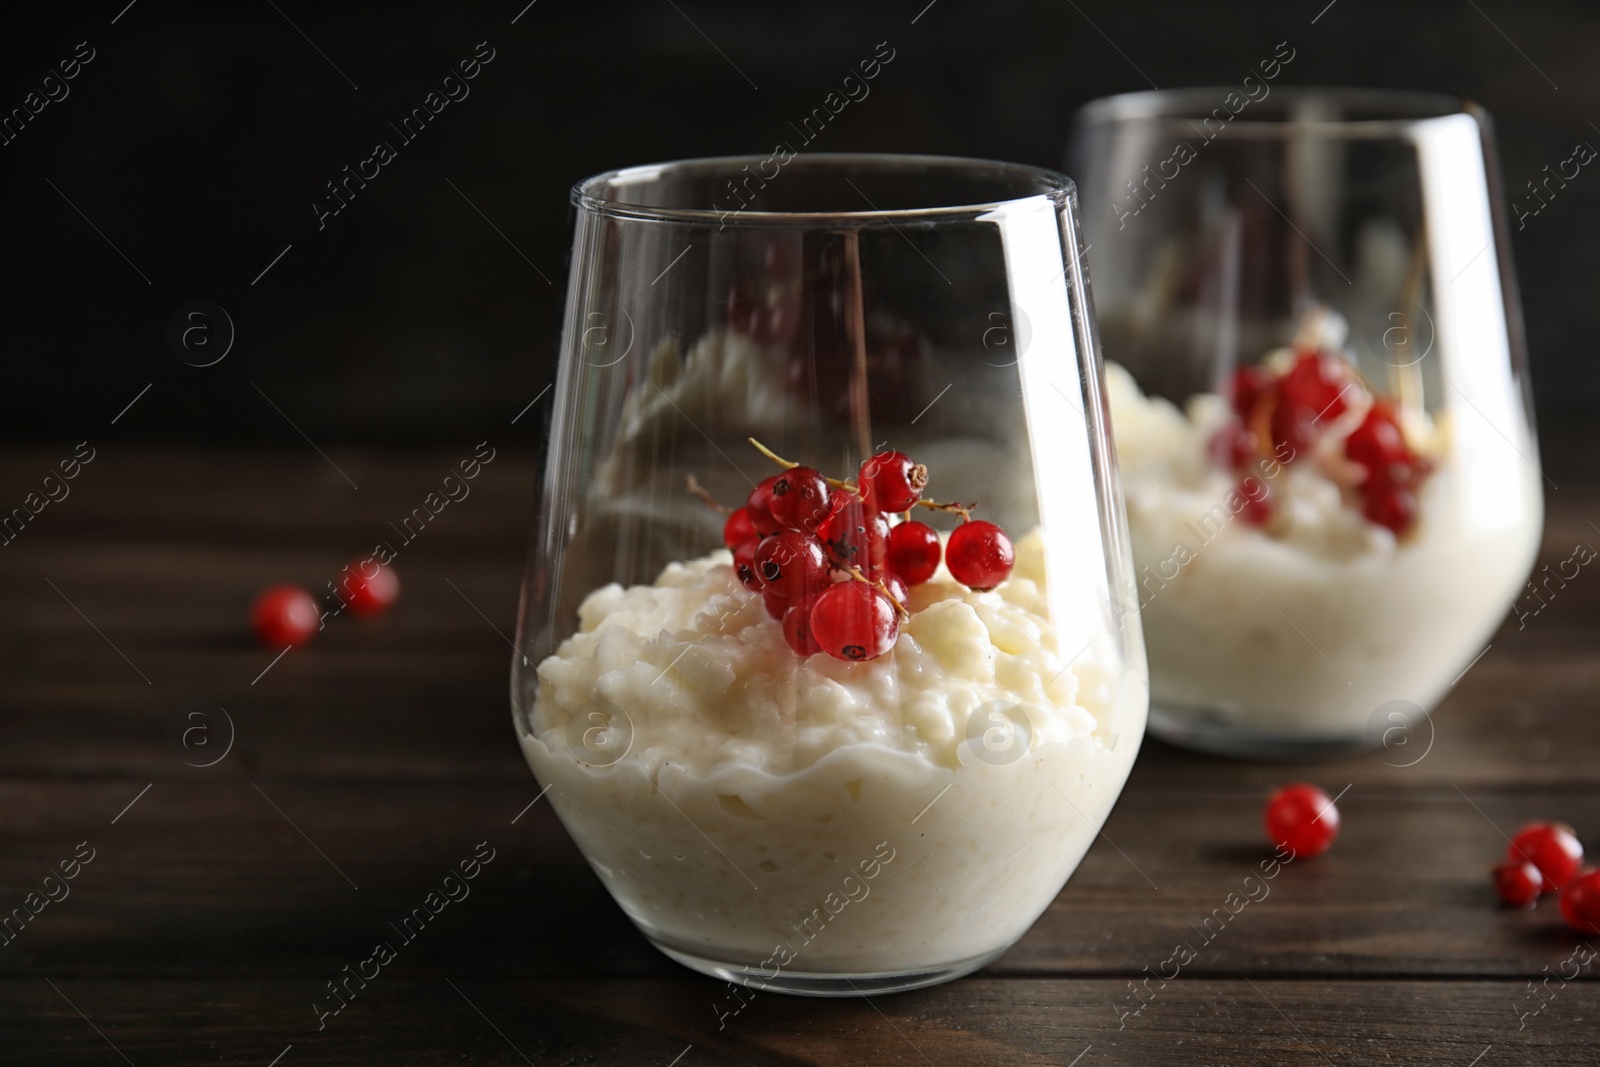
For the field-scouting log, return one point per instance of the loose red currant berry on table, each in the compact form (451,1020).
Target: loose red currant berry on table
(369,587)
(759,506)
(284,615)
(1301,817)
(791,564)
(738,529)
(853,621)
(1517,882)
(857,535)
(1550,846)
(800,499)
(979,555)
(797,631)
(1580,901)
(744,565)
(890,481)
(913,552)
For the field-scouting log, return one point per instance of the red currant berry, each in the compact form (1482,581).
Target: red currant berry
(1259,506)
(853,621)
(1517,883)
(284,615)
(1377,444)
(890,482)
(760,507)
(837,502)
(791,564)
(1248,387)
(1319,386)
(776,603)
(800,499)
(899,592)
(1302,817)
(1316,391)
(1580,901)
(1232,446)
(979,555)
(1293,430)
(738,529)
(914,552)
(797,631)
(1391,506)
(744,565)
(369,587)
(857,535)
(1550,846)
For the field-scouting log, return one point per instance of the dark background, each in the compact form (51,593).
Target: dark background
(199,136)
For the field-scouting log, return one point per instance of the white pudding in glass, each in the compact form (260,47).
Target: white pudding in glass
(1306,628)
(814,815)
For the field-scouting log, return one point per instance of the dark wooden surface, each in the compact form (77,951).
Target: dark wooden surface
(208,922)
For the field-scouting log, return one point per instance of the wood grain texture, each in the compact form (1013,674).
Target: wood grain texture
(364,765)
(461,1019)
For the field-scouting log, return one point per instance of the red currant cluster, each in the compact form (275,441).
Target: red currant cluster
(1282,416)
(1388,495)
(832,567)
(1547,857)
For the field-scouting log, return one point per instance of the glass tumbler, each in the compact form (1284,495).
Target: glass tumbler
(762,367)
(1318,383)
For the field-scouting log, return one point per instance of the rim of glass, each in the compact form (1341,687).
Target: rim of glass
(1057,187)
(1179,108)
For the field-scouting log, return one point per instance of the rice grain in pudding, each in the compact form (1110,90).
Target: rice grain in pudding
(758,788)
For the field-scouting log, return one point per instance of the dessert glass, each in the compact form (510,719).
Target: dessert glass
(1310,581)
(810,824)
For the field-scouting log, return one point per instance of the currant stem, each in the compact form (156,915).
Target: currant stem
(789,464)
(770,454)
(964,510)
(855,572)
(702,494)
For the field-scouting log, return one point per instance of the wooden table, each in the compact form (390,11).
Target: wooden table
(220,900)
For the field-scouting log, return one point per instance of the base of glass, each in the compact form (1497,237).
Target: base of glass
(813,984)
(1185,730)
